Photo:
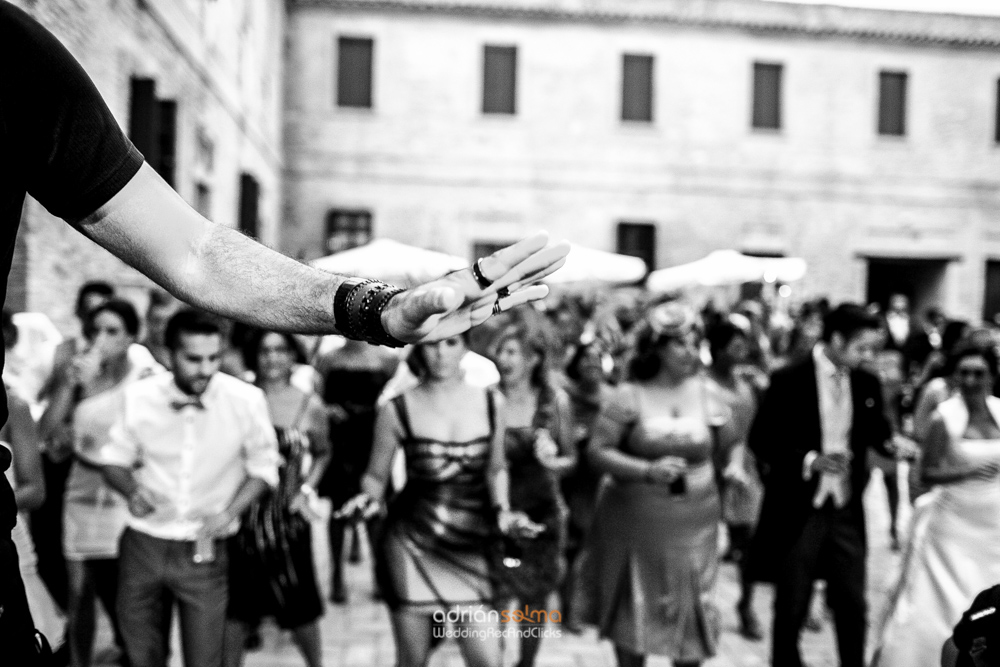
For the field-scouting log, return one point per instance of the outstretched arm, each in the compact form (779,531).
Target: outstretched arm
(150,227)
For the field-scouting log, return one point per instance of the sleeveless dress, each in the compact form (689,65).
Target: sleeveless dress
(650,561)
(271,561)
(357,391)
(432,553)
(581,485)
(953,555)
(534,489)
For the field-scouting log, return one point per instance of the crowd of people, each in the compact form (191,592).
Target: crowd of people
(581,456)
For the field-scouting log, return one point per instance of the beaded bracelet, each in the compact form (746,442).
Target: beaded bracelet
(358,306)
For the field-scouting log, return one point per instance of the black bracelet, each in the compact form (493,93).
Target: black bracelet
(358,306)
(374,331)
(341,312)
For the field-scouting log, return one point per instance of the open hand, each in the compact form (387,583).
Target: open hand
(361,507)
(518,525)
(455,303)
(903,448)
(836,463)
(144,502)
(546,449)
(666,469)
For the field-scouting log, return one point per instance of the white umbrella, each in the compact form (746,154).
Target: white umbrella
(391,261)
(727,267)
(588,265)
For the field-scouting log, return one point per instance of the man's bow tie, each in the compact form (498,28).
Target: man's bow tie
(193,401)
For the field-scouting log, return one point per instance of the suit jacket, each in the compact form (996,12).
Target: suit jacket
(786,428)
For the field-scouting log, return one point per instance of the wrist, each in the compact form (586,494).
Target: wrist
(647,474)
(358,308)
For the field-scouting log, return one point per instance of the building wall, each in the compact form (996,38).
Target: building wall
(220,60)
(435,172)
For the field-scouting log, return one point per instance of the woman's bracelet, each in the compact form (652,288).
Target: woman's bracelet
(358,306)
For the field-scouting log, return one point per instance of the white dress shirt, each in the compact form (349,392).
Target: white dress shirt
(194,459)
(836,411)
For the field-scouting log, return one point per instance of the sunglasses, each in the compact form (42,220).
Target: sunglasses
(972,373)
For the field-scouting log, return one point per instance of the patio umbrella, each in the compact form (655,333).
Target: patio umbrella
(391,261)
(727,267)
(588,265)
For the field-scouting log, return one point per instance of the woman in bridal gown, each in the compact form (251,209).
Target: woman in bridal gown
(954,550)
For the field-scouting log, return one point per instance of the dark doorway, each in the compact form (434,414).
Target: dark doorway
(922,280)
(991,299)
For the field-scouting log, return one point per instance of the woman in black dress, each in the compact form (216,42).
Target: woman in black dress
(271,563)
(588,389)
(434,550)
(539,452)
(353,378)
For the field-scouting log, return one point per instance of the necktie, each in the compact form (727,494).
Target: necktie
(191,401)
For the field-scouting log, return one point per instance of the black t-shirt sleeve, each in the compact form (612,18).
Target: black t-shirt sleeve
(63,139)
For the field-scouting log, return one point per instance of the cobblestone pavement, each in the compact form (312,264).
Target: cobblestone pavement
(358,634)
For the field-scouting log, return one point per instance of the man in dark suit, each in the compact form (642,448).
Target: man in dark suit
(811,434)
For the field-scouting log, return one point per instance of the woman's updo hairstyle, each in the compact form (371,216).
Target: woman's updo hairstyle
(664,323)
(968,348)
(532,340)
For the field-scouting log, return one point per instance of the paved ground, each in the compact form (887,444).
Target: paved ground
(358,634)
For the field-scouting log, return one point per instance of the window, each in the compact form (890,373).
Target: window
(638,239)
(991,300)
(499,79)
(637,88)
(249,203)
(167,140)
(152,127)
(766,96)
(354,72)
(347,229)
(892,103)
(143,118)
(996,130)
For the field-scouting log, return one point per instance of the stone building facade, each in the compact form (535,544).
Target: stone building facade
(198,86)
(864,141)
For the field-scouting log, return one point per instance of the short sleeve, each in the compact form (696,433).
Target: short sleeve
(65,143)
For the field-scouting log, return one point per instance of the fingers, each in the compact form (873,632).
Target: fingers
(499,263)
(535,267)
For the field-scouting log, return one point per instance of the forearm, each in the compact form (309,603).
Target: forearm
(619,465)
(120,479)
(250,490)
(499,486)
(29,497)
(320,464)
(58,411)
(209,265)
(239,278)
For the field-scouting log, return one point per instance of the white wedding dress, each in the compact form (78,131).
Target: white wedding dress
(953,555)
